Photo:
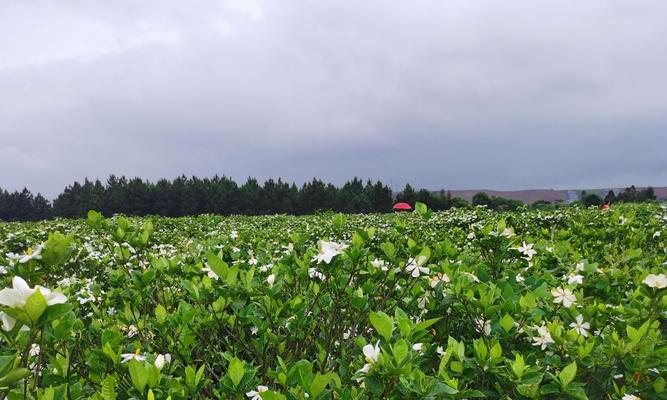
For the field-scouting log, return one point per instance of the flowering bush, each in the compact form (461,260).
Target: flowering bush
(454,305)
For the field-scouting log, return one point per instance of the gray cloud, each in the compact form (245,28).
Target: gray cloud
(455,94)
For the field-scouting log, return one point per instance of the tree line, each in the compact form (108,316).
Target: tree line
(185,196)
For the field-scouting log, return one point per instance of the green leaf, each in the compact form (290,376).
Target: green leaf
(108,390)
(400,351)
(217,265)
(160,313)
(382,323)
(320,382)
(236,371)
(507,322)
(567,374)
(35,306)
(138,375)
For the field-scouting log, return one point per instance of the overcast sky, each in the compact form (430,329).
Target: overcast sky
(443,94)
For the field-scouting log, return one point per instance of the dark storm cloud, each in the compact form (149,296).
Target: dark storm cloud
(444,94)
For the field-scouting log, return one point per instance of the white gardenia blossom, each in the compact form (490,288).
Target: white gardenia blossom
(656,281)
(580,326)
(132,356)
(328,250)
(519,278)
(527,250)
(564,296)
(381,264)
(579,267)
(161,359)
(271,279)
(630,397)
(31,254)
(575,278)
(439,277)
(17,295)
(414,267)
(482,326)
(313,273)
(257,394)
(417,346)
(210,273)
(544,337)
(371,352)
(34,350)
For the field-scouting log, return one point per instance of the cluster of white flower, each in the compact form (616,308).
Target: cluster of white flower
(328,250)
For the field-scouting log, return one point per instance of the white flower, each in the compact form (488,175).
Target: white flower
(265,268)
(656,281)
(363,370)
(417,346)
(271,279)
(234,234)
(656,234)
(254,330)
(328,250)
(381,264)
(439,277)
(17,295)
(32,254)
(161,359)
(630,397)
(580,326)
(440,351)
(132,356)
(579,267)
(111,311)
(210,273)
(471,276)
(132,330)
(257,394)
(289,248)
(527,250)
(252,261)
(34,350)
(564,296)
(313,273)
(471,236)
(414,267)
(544,337)
(574,278)
(371,352)
(482,326)
(519,278)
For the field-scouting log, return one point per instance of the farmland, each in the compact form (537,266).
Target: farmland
(467,303)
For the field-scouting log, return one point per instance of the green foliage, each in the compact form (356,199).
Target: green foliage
(463,304)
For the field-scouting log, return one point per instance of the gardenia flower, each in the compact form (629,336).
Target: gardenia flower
(381,264)
(579,267)
(417,346)
(519,278)
(34,350)
(328,250)
(257,394)
(544,337)
(564,296)
(161,359)
(580,326)
(17,296)
(630,397)
(527,250)
(265,268)
(440,277)
(210,273)
(132,356)
(32,254)
(482,326)
(271,279)
(656,281)
(371,352)
(234,234)
(313,273)
(575,278)
(415,266)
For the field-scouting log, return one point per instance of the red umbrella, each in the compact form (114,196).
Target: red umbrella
(402,207)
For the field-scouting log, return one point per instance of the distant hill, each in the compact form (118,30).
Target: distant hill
(532,195)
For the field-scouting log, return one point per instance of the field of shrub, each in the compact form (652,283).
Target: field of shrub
(462,304)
